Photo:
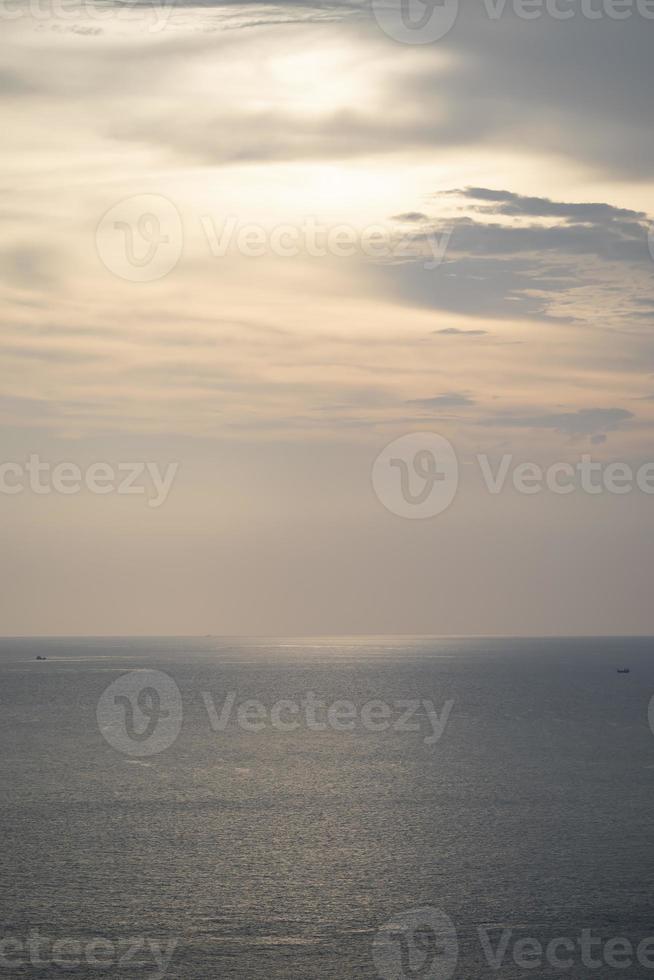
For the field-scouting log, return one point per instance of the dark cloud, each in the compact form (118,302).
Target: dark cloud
(508,203)
(521,257)
(410,216)
(455,332)
(546,85)
(14,83)
(485,287)
(597,229)
(451,399)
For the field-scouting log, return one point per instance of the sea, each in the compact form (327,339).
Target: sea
(334,807)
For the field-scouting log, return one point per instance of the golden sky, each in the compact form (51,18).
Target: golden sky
(356,238)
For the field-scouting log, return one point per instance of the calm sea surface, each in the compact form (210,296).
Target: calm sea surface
(277,853)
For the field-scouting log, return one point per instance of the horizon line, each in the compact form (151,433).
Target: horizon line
(318,636)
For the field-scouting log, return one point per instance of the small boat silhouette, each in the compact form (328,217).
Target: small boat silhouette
(41,658)
(623,670)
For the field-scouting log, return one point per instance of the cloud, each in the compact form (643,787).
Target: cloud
(508,82)
(584,422)
(599,230)
(520,257)
(508,203)
(503,83)
(13,83)
(456,332)
(516,289)
(410,216)
(50,355)
(193,100)
(496,83)
(451,399)
(28,266)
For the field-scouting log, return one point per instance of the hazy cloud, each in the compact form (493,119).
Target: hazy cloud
(452,399)
(585,422)
(456,332)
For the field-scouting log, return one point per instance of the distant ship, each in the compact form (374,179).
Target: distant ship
(623,670)
(41,658)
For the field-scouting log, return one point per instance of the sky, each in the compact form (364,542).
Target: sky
(320,278)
